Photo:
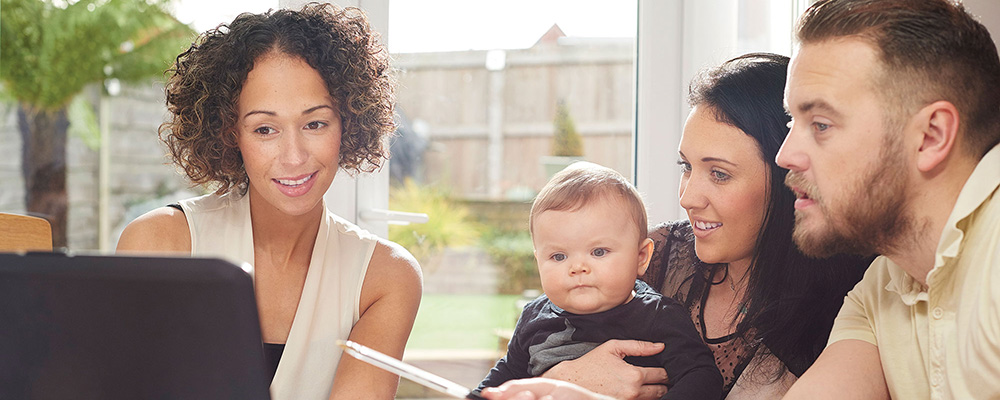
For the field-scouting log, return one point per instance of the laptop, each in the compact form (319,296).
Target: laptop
(122,327)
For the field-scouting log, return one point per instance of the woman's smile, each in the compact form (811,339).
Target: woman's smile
(295,187)
(701,228)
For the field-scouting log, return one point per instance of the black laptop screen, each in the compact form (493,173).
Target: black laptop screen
(93,327)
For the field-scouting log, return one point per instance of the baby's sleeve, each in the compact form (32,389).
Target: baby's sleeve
(690,364)
(514,364)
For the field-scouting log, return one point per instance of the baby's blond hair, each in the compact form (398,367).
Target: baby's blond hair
(581,183)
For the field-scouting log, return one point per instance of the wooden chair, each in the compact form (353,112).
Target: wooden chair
(24,233)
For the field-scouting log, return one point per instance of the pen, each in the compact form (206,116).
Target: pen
(407,371)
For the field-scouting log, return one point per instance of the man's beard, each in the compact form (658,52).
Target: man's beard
(869,220)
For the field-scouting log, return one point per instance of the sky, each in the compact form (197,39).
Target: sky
(455,25)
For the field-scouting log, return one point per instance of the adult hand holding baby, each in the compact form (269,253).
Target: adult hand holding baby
(540,389)
(604,371)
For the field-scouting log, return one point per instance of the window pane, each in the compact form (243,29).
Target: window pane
(484,89)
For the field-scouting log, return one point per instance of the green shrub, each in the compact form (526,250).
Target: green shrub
(448,225)
(513,253)
(566,142)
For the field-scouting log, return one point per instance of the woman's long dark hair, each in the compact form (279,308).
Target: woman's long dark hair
(791,300)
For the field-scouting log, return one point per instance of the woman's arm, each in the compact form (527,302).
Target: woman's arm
(162,230)
(605,371)
(390,297)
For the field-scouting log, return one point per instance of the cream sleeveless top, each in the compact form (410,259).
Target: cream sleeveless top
(329,306)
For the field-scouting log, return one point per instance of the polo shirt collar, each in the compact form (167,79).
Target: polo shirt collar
(978,188)
(901,283)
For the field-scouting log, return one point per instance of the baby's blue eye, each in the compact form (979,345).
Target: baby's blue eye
(559,256)
(599,252)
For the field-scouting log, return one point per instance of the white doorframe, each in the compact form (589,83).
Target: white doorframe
(675,40)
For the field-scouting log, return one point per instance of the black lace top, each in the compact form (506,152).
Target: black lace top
(676,272)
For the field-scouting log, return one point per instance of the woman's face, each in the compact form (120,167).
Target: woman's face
(723,187)
(289,133)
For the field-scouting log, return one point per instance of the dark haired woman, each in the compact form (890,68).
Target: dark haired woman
(267,109)
(763,308)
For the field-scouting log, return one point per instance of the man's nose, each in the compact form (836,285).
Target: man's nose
(790,156)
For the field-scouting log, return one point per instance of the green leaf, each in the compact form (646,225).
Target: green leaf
(449,223)
(83,122)
(48,54)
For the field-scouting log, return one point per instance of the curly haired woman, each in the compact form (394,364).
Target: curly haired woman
(266,110)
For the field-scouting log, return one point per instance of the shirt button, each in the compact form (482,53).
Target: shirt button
(937,313)
(935,379)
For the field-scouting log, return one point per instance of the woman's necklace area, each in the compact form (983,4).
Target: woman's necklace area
(732,286)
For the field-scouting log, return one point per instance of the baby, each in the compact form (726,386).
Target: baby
(588,228)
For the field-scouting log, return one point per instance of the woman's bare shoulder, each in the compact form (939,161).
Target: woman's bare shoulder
(393,262)
(164,229)
(392,272)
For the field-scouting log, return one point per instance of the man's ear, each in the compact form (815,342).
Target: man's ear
(645,254)
(939,124)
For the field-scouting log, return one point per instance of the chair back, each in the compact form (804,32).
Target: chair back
(24,233)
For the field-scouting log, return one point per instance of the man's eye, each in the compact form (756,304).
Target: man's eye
(820,127)
(599,252)
(559,257)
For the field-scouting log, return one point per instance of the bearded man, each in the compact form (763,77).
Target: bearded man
(895,109)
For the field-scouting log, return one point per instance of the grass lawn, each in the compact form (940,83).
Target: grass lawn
(460,321)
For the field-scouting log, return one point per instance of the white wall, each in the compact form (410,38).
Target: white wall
(988,12)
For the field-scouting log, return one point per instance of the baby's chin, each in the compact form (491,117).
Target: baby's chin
(584,309)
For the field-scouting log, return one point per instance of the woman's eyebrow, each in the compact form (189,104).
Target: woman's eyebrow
(265,112)
(274,114)
(716,159)
(315,108)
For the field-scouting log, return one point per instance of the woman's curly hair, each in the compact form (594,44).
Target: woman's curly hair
(206,80)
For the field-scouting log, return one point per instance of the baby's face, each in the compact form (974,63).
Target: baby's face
(588,258)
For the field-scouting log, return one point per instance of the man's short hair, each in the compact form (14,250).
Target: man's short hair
(583,182)
(930,50)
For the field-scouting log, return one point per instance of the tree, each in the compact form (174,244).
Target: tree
(566,142)
(49,53)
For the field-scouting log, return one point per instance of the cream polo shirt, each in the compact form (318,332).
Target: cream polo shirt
(943,343)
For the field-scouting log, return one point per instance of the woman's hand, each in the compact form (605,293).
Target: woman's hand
(540,389)
(604,371)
